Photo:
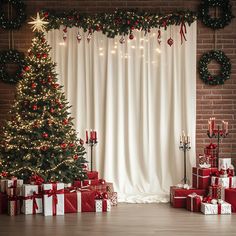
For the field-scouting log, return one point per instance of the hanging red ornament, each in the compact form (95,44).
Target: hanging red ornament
(52,110)
(43,81)
(65,121)
(26,68)
(122,39)
(170,41)
(136,22)
(131,36)
(38,55)
(71,144)
(79,37)
(64,36)
(75,157)
(159,36)
(81,141)
(45,55)
(89,37)
(63,145)
(46,14)
(44,135)
(56,85)
(34,107)
(60,106)
(4,174)
(132,27)
(33,85)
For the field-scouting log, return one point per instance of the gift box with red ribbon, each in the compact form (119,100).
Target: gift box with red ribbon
(13,205)
(230,197)
(3,203)
(102,203)
(109,187)
(53,199)
(85,183)
(79,201)
(178,196)
(92,174)
(202,177)
(32,200)
(217,192)
(211,150)
(208,207)
(12,186)
(224,162)
(227,182)
(113,197)
(194,202)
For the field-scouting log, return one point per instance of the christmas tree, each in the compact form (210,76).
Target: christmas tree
(40,139)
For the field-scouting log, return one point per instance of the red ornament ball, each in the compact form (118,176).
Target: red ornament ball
(4,174)
(33,85)
(52,110)
(75,157)
(26,68)
(44,55)
(131,36)
(65,121)
(63,145)
(170,41)
(34,107)
(44,135)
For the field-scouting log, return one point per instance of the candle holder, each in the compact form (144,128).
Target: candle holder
(219,134)
(185,146)
(91,143)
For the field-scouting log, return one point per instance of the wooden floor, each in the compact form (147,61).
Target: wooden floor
(125,220)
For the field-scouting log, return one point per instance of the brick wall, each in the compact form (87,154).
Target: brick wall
(217,101)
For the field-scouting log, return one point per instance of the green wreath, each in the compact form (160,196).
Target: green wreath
(225,70)
(16,22)
(216,23)
(15,57)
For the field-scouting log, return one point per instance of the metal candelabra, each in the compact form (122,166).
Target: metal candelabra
(185,146)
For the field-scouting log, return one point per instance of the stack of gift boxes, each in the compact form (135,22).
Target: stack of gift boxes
(213,189)
(90,195)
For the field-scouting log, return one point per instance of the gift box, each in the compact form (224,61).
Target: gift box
(194,202)
(85,183)
(79,201)
(217,192)
(3,203)
(201,177)
(13,206)
(3,185)
(32,200)
(110,188)
(214,209)
(102,205)
(92,174)
(178,196)
(230,197)
(53,199)
(99,187)
(113,198)
(13,187)
(72,201)
(227,182)
(224,162)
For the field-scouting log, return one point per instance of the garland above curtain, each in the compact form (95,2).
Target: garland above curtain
(120,22)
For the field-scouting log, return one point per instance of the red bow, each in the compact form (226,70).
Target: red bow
(207,199)
(36,179)
(33,197)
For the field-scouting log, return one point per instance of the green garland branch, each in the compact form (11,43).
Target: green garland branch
(120,22)
(18,20)
(225,69)
(219,22)
(11,57)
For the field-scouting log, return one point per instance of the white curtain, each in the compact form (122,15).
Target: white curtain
(139,96)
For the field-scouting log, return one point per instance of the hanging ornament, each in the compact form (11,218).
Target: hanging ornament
(33,85)
(159,36)
(89,37)
(64,35)
(65,121)
(44,135)
(63,145)
(122,39)
(79,37)
(76,157)
(44,55)
(131,36)
(182,32)
(170,41)
(34,107)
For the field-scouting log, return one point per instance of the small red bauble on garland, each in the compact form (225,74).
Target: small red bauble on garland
(131,36)
(26,68)
(65,121)
(75,157)
(52,110)
(44,148)
(44,55)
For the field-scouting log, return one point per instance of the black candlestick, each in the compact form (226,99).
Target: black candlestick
(91,143)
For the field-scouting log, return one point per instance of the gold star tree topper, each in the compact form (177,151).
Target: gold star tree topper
(38,23)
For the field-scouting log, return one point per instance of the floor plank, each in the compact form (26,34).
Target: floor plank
(125,219)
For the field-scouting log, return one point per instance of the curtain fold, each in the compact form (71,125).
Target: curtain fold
(139,96)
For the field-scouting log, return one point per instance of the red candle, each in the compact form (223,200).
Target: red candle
(91,135)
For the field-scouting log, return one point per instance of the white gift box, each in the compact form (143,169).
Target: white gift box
(214,209)
(227,182)
(102,205)
(32,201)
(14,187)
(53,199)
(226,162)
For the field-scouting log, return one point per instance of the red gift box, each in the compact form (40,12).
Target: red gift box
(202,177)
(3,203)
(230,197)
(178,196)
(217,192)
(92,174)
(99,187)
(84,183)
(194,202)
(79,201)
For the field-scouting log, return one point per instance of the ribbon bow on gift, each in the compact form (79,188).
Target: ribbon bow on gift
(207,199)
(101,196)
(33,197)
(36,179)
